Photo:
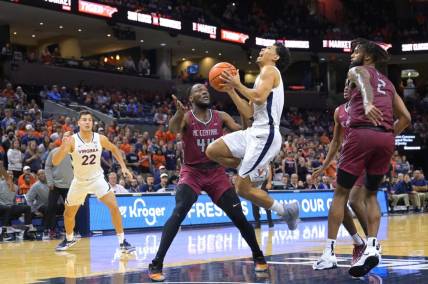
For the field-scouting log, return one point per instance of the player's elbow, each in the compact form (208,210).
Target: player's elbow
(407,118)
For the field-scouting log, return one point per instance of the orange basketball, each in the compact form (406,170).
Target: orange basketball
(215,72)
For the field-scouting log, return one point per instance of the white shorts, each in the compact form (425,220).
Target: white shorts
(79,189)
(257,147)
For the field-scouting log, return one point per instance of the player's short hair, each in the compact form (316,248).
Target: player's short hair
(374,50)
(85,112)
(284,56)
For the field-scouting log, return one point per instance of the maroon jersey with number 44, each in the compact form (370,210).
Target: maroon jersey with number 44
(198,135)
(383,95)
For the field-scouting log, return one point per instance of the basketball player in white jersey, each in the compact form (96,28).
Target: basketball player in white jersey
(85,148)
(251,150)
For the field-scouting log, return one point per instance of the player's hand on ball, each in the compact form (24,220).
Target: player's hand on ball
(229,80)
(374,114)
(127,173)
(179,105)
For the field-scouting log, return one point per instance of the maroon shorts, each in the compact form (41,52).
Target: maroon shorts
(366,149)
(215,182)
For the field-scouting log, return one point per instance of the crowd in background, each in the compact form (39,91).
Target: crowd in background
(299,19)
(155,158)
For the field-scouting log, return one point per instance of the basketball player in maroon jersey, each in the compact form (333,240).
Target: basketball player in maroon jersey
(368,145)
(358,193)
(199,127)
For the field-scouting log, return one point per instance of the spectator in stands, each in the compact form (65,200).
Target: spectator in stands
(289,165)
(163,185)
(286,181)
(106,160)
(399,192)
(149,186)
(8,119)
(310,184)
(8,92)
(134,186)
(125,146)
(157,172)
(294,182)
(38,196)
(15,159)
(326,183)
(132,160)
(420,186)
(54,95)
(143,66)
(145,160)
(302,169)
(404,186)
(170,158)
(26,180)
(160,117)
(9,210)
(129,65)
(32,157)
(158,159)
(117,188)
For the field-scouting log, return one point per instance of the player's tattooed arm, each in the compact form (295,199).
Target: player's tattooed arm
(229,122)
(261,92)
(66,147)
(177,123)
(402,114)
(361,77)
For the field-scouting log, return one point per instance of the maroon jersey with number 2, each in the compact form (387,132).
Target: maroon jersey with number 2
(366,147)
(196,137)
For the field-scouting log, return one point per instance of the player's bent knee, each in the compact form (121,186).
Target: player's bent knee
(242,187)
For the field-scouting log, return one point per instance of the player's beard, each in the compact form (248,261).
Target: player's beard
(202,105)
(357,62)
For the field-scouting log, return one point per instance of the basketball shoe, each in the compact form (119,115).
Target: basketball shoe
(327,261)
(65,245)
(368,260)
(155,272)
(126,247)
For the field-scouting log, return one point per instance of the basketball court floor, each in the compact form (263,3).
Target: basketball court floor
(220,255)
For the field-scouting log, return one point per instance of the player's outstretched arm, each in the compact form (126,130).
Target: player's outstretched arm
(65,148)
(106,144)
(402,114)
(361,77)
(229,122)
(259,94)
(244,108)
(177,121)
(334,145)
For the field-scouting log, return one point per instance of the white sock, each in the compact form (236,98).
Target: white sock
(330,245)
(69,237)
(277,207)
(121,237)
(357,240)
(372,242)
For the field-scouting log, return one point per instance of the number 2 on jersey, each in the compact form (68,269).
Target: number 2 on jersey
(86,158)
(202,143)
(381,86)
